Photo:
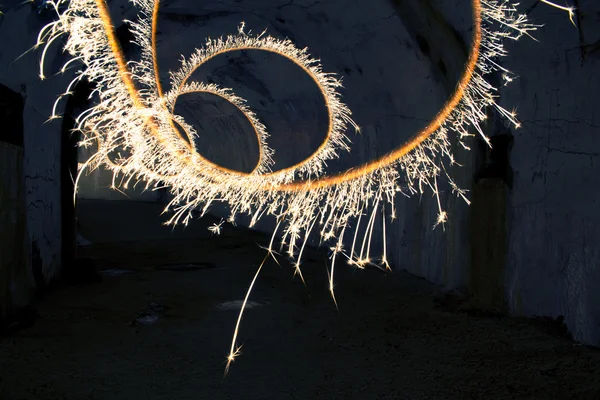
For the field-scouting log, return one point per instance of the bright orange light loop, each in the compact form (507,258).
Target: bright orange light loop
(326,181)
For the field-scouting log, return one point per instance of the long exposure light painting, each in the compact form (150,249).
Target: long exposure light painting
(134,118)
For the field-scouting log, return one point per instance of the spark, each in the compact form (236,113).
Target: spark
(384,260)
(235,350)
(337,249)
(216,227)
(140,138)
(570,10)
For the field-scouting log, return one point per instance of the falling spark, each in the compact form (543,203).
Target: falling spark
(234,351)
(139,137)
(216,227)
(570,10)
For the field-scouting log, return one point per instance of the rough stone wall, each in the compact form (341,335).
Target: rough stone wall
(534,229)
(553,265)
(439,255)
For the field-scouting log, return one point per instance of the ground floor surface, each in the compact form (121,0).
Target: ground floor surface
(159,325)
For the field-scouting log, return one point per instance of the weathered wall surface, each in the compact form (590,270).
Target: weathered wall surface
(41,165)
(553,265)
(16,282)
(15,277)
(527,245)
(41,142)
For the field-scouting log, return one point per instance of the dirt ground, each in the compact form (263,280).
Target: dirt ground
(159,325)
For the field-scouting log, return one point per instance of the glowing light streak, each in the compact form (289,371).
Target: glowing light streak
(234,351)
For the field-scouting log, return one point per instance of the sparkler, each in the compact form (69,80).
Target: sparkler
(134,118)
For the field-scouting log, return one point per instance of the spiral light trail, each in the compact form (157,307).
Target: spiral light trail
(135,118)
